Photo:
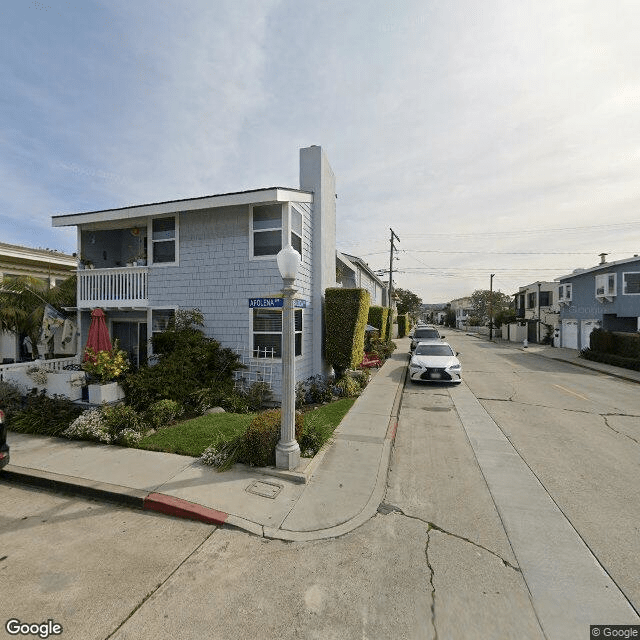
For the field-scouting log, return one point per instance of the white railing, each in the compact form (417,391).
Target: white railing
(123,286)
(57,364)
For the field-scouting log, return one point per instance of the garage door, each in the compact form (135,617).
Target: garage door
(570,334)
(586,327)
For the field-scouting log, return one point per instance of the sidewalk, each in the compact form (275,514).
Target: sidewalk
(572,356)
(330,495)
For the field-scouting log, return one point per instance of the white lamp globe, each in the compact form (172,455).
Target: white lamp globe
(288,262)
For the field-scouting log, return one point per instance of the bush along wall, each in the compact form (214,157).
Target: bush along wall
(346,313)
(403,325)
(617,349)
(378,318)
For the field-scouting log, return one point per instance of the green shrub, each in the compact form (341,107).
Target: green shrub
(612,359)
(313,437)
(382,349)
(121,417)
(389,333)
(261,438)
(162,413)
(10,399)
(378,318)
(45,416)
(346,313)
(89,425)
(402,325)
(348,387)
(188,361)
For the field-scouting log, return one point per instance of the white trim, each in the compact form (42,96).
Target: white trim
(260,196)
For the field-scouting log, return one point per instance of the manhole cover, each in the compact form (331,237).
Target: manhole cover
(264,489)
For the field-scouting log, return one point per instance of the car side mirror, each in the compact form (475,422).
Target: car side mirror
(443,337)
(457,353)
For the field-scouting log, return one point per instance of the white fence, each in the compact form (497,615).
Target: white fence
(127,286)
(258,368)
(45,374)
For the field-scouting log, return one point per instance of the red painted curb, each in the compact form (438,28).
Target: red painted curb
(391,431)
(183,509)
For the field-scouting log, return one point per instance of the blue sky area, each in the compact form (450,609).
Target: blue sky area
(494,137)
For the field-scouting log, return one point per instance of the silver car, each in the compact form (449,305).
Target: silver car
(435,362)
(422,334)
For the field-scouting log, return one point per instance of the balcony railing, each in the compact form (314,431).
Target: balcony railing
(120,287)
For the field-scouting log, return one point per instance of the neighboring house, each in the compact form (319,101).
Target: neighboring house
(354,273)
(605,296)
(51,267)
(216,253)
(463,310)
(537,304)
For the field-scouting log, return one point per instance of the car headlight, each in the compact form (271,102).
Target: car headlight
(415,365)
(455,366)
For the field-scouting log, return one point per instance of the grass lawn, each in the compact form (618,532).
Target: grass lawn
(192,437)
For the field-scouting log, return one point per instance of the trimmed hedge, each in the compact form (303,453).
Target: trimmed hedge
(625,345)
(346,313)
(403,325)
(389,325)
(378,318)
(612,359)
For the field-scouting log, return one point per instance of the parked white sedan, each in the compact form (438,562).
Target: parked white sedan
(434,362)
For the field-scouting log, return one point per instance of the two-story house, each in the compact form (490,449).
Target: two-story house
(537,305)
(605,296)
(354,273)
(216,253)
(463,310)
(51,267)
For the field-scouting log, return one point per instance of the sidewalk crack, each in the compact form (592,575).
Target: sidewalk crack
(432,585)
(385,509)
(604,416)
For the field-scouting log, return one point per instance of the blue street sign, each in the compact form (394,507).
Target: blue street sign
(274,303)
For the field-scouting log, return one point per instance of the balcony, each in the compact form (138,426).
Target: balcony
(121,287)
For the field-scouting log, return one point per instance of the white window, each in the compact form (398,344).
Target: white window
(296,230)
(631,283)
(164,235)
(564,293)
(606,285)
(267,333)
(266,230)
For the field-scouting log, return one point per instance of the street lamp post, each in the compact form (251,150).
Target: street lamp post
(288,449)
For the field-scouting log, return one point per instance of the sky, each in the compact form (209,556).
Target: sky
(495,137)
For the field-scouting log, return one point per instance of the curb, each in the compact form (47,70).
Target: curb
(125,496)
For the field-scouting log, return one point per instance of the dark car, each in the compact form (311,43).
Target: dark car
(4,447)
(424,334)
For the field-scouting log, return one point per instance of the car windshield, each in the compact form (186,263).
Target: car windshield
(426,333)
(433,350)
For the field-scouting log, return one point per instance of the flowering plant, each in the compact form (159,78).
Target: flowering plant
(106,365)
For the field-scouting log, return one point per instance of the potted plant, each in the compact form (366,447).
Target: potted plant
(105,367)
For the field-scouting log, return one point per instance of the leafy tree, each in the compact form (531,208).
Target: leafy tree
(480,304)
(504,316)
(23,300)
(408,302)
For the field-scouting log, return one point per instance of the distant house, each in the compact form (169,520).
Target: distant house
(537,305)
(354,273)
(463,310)
(51,267)
(605,296)
(216,253)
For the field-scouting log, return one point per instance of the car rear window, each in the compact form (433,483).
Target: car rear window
(426,333)
(434,350)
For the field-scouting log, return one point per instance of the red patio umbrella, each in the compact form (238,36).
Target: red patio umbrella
(98,338)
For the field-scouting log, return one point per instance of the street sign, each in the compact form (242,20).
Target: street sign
(274,303)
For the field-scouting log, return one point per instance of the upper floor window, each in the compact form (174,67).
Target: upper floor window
(266,229)
(564,293)
(631,283)
(531,300)
(606,285)
(296,230)
(163,240)
(546,298)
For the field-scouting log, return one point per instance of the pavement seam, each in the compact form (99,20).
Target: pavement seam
(432,585)
(158,586)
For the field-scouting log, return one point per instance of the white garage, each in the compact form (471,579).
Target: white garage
(570,334)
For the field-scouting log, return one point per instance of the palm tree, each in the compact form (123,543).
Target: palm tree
(23,300)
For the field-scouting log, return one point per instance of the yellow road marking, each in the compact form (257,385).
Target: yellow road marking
(573,393)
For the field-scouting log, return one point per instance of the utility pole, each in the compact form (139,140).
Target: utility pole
(491,307)
(393,247)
